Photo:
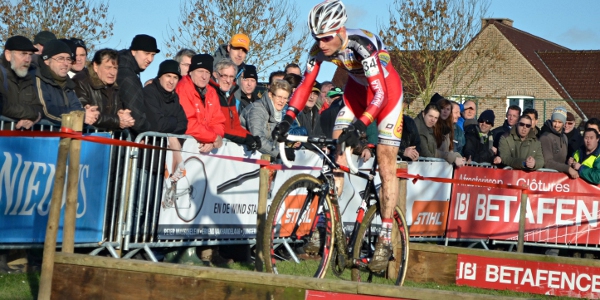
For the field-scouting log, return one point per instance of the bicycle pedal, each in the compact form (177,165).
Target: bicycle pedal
(361,262)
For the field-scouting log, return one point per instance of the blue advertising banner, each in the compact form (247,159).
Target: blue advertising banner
(27,169)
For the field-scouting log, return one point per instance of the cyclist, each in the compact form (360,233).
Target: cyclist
(373,92)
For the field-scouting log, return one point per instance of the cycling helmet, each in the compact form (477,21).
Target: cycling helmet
(327,16)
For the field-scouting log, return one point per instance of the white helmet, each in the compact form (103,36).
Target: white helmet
(327,16)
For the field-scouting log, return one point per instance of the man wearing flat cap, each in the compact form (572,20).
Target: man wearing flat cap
(56,90)
(200,102)
(132,62)
(164,113)
(17,90)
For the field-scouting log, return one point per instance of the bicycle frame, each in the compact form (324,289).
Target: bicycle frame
(327,177)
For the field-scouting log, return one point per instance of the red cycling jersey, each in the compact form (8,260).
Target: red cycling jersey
(374,88)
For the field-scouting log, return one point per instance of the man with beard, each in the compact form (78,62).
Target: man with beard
(132,62)
(56,90)
(19,99)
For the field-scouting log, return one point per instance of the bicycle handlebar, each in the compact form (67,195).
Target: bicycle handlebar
(315,140)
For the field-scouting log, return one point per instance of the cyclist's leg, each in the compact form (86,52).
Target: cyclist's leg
(343,120)
(354,104)
(390,133)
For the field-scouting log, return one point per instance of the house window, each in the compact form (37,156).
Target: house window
(523,102)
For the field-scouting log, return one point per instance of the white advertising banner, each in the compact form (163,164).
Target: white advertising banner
(213,197)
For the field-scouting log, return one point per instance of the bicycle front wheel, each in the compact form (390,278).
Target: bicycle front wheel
(298,235)
(365,246)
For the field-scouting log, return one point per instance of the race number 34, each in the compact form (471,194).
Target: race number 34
(370,66)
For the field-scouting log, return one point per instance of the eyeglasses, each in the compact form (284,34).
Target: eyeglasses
(63,59)
(277,97)
(486,122)
(226,76)
(325,39)
(524,125)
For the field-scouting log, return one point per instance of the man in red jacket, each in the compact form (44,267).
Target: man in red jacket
(225,85)
(200,102)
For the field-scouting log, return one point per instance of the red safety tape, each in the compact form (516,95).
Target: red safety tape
(70,133)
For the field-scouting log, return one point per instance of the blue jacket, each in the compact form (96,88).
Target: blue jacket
(55,99)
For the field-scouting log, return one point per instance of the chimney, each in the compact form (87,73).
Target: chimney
(505,21)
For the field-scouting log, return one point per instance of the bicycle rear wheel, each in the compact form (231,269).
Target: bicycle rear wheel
(299,218)
(367,238)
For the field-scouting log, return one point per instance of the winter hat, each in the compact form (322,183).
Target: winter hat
(435,98)
(144,42)
(79,43)
(169,66)
(316,87)
(250,72)
(43,37)
(334,92)
(19,43)
(240,40)
(55,47)
(72,46)
(570,116)
(559,114)
(487,116)
(204,61)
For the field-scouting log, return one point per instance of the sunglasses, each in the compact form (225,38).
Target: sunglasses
(486,122)
(570,123)
(325,39)
(524,125)
(469,108)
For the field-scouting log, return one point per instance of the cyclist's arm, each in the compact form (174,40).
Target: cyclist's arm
(375,77)
(301,94)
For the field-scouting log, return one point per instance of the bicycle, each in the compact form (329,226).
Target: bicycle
(305,212)
(187,193)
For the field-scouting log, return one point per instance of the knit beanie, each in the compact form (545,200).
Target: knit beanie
(560,114)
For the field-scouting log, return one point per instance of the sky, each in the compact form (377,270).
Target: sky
(572,24)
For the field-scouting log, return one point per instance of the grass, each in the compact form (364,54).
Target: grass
(19,286)
(25,285)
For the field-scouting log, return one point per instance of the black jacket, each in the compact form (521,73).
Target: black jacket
(328,117)
(55,100)
(575,142)
(410,137)
(245,101)
(163,111)
(20,100)
(91,90)
(310,119)
(478,147)
(131,90)
(499,132)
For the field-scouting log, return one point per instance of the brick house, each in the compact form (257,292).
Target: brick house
(524,70)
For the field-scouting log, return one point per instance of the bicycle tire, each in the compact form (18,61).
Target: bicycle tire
(402,239)
(192,193)
(313,268)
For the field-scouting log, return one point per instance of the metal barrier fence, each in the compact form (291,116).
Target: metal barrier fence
(143,201)
(115,190)
(133,202)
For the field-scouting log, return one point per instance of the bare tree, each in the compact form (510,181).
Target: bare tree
(87,20)
(270,24)
(426,36)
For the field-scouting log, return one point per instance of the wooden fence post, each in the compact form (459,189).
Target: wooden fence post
(261,216)
(68,244)
(393,266)
(522,216)
(45,287)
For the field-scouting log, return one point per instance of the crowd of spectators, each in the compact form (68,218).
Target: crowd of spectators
(519,143)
